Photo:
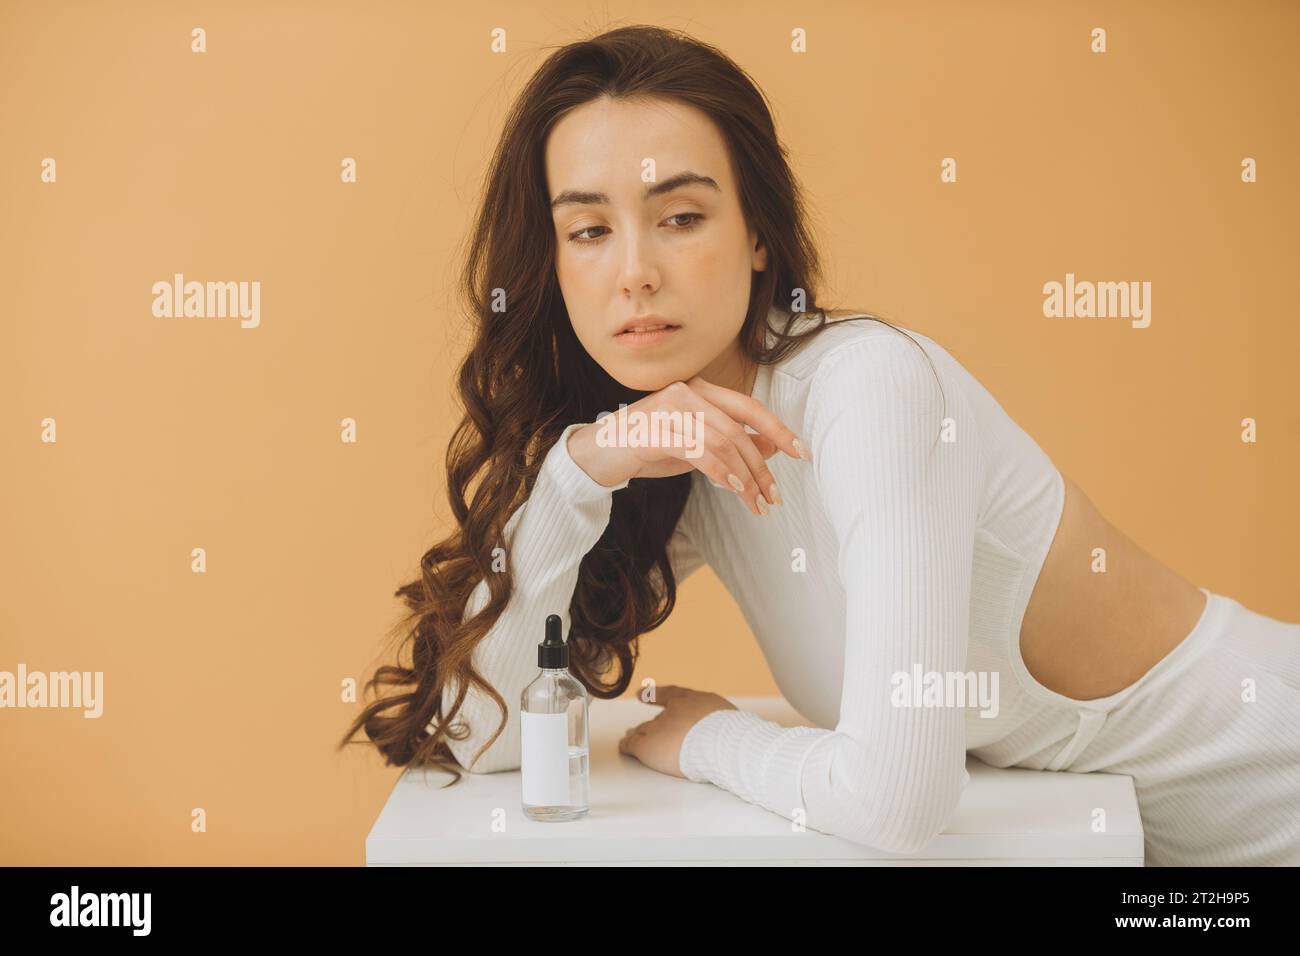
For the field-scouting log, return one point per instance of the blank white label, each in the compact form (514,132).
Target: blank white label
(544,759)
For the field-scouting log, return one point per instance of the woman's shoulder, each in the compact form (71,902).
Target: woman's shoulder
(857,338)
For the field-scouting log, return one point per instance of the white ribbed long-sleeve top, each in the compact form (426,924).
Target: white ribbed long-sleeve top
(910,540)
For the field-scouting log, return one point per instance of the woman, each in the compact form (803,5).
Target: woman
(889,519)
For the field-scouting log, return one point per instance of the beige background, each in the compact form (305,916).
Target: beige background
(223,689)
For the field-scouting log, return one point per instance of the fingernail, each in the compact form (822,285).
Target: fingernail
(798,446)
(772,494)
(735,482)
(762,505)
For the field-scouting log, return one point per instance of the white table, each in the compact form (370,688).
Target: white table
(640,817)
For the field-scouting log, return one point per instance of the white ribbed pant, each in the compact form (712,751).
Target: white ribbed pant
(1211,738)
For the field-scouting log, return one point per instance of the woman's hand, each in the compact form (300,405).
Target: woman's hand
(728,454)
(657,743)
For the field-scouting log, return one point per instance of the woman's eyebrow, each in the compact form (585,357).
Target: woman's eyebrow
(578,196)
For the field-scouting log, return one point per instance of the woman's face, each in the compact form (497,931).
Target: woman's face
(632,241)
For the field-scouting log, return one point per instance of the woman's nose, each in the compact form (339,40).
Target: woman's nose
(639,269)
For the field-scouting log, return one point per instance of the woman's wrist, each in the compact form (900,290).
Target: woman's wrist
(592,459)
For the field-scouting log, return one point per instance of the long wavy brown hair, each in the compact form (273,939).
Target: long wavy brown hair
(516,404)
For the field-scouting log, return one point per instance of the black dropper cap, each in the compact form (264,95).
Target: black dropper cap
(553,652)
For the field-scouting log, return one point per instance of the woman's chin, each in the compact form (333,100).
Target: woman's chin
(644,379)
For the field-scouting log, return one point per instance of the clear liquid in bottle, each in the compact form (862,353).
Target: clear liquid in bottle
(553,713)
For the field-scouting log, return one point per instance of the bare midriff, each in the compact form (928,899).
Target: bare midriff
(1089,634)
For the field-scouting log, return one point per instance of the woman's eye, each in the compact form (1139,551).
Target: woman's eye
(573,236)
(694,218)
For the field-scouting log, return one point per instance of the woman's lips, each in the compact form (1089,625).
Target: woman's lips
(642,339)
